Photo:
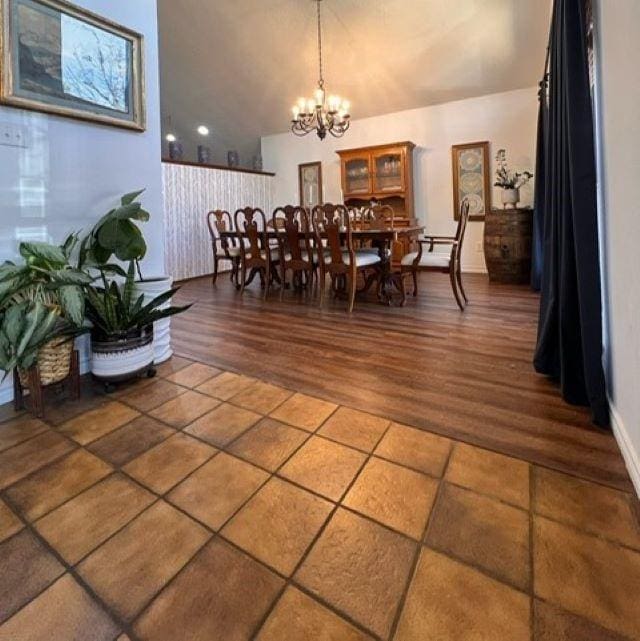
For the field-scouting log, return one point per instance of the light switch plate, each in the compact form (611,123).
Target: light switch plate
(12,135)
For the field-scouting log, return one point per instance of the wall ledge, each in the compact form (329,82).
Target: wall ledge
(629,454)
(242,170)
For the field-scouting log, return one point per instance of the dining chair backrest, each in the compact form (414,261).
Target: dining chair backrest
(290,221)
(252,222)
(462,223)
(380,217)
(219,220)
(331,223)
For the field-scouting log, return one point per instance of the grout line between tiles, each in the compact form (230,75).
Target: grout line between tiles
(532,602)
(234,370)
(214,534)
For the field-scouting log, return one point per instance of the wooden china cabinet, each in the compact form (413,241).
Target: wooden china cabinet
(381,173)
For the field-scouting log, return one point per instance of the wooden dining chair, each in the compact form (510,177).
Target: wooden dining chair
(422,260)
(219,220)
(295,247)
(339,260)
(255,252)
(380,217)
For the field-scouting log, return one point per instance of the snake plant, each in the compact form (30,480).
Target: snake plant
(114,311)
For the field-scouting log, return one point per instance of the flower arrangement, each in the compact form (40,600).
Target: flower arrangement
(507,179)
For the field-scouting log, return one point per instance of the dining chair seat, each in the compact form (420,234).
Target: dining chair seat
(363,259)
(427,259)
(273,253)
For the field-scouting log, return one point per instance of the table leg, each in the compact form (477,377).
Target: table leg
(386,279)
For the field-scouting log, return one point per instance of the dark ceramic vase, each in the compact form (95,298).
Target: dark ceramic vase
(204,154)
(175,150)
(233,160)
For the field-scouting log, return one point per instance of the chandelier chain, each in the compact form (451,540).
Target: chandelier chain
(321,79)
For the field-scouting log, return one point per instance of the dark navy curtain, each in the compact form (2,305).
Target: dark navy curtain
(537,257)
(569,346)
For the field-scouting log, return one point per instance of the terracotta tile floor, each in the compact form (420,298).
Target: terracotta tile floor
(207,505)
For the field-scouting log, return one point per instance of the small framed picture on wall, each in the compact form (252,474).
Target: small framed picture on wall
(471,179)
(310,184)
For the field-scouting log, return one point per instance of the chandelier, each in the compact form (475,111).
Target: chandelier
(320,114)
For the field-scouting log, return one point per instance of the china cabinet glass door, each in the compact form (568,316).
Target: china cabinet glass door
(388,172)
(357,175)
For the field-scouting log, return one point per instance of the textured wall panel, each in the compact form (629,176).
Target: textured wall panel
(189,193)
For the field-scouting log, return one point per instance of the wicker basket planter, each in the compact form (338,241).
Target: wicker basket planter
(54,363)
(121,357)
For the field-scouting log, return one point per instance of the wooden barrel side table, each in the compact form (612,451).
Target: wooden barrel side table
(507,245)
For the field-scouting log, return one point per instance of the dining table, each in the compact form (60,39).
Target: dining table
(381,239)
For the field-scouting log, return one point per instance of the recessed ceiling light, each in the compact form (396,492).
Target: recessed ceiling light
(203,131)
(170,138)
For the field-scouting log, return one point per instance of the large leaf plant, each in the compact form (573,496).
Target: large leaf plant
(117,236)
(40,299)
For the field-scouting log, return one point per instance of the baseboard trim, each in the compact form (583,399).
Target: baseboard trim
(629,454)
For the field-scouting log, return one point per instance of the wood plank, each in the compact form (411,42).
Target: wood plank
(464,375)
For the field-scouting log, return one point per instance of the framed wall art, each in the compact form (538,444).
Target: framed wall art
(61,59)
(310,184)
(471,179)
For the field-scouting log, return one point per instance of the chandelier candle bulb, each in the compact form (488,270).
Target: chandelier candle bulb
(296,112)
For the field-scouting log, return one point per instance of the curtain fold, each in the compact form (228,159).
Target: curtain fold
(537,254)
(569,346)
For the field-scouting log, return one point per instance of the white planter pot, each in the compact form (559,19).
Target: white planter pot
(119,358)
(119,365)
(510,198)
(161,329)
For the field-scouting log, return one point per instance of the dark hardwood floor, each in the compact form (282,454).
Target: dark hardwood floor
(463,375)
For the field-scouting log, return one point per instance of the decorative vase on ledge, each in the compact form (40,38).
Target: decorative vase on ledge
(510,198)
(204,154)
(175,150)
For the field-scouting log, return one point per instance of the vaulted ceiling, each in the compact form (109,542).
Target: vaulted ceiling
(237,66)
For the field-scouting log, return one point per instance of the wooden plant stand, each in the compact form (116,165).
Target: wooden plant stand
(36,389)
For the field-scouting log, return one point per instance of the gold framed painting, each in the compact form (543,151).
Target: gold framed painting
(471,179)
(61,59)
(310,184)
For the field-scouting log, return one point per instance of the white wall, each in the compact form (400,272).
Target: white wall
(72,172)
(507,120)
(619,101)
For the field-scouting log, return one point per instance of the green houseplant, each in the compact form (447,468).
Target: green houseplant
(117,235)
(124,319)
(122,327)
(41,310)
